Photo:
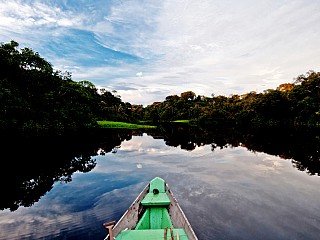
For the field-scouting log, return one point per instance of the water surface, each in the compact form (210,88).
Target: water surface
(227,190)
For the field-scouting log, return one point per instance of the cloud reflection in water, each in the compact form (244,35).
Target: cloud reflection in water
(228,193)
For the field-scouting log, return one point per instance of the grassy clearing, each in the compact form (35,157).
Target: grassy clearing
(182,121)
(113,124)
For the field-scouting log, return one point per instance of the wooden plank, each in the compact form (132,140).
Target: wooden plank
(175,215)
(155,234)
(160,199)
(178,217)
(130,218)
(159,184)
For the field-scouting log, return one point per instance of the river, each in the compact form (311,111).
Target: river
(262,185)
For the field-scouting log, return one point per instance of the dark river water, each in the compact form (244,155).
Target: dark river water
(251,185)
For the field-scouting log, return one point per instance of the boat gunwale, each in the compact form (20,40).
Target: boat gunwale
(188,226)
(174,203)
(137,201)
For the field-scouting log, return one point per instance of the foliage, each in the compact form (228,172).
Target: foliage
(113,124)
(182,121)
(295,103)
(36,99)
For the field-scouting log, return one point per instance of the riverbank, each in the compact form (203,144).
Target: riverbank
(114,124)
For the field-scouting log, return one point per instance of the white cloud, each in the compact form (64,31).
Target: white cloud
(231,46)
(34,15)
(208,46)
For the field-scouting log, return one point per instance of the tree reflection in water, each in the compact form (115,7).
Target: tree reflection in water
(300,145)
(30,167)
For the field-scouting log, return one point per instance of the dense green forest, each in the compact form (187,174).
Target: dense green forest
(37,99)
(296,103)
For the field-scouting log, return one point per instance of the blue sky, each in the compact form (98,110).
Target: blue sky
(148,49)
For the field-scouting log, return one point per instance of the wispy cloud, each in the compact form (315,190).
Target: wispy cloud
(157,48)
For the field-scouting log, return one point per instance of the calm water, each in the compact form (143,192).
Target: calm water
(254,186)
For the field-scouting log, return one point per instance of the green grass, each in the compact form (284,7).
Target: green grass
(182,121)
(113,124)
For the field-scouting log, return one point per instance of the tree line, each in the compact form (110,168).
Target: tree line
(293,104)
(35,98)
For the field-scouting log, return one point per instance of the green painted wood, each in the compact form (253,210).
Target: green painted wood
(157,183)
(160,199)
(154,218)
(166,220)
(144,222)
(157,195)
(155,234)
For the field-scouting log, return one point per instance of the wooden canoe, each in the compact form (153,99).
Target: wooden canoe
(155,214)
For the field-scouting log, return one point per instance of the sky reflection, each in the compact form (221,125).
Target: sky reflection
(228,193)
